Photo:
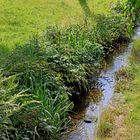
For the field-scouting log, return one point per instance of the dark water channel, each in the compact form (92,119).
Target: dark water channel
(86,124)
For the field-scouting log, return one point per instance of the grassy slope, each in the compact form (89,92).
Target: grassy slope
(20,18)
(123,122)
(133,95)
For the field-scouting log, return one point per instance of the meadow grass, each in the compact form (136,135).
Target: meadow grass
(19,19)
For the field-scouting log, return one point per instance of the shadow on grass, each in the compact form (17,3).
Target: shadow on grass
(85,7)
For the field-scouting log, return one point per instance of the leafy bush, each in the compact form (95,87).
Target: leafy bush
(112,30)
(132,9)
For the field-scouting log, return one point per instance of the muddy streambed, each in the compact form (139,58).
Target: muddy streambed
(86,121)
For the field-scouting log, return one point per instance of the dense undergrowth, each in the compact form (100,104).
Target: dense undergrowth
(54,67)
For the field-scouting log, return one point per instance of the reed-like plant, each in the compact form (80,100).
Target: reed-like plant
(9,104)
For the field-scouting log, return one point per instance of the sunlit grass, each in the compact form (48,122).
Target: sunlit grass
(20,18)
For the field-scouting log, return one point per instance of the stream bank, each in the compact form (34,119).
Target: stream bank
(86,126)
(121,120)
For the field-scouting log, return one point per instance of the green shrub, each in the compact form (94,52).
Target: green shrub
(132,9)
(112,30)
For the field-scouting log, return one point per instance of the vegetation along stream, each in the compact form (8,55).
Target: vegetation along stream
(88,123)
(58,65)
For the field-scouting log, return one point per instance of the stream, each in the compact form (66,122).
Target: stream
(86,126)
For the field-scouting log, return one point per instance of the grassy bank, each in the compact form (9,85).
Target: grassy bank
(122,121)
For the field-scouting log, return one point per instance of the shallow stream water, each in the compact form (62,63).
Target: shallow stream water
(86,126)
